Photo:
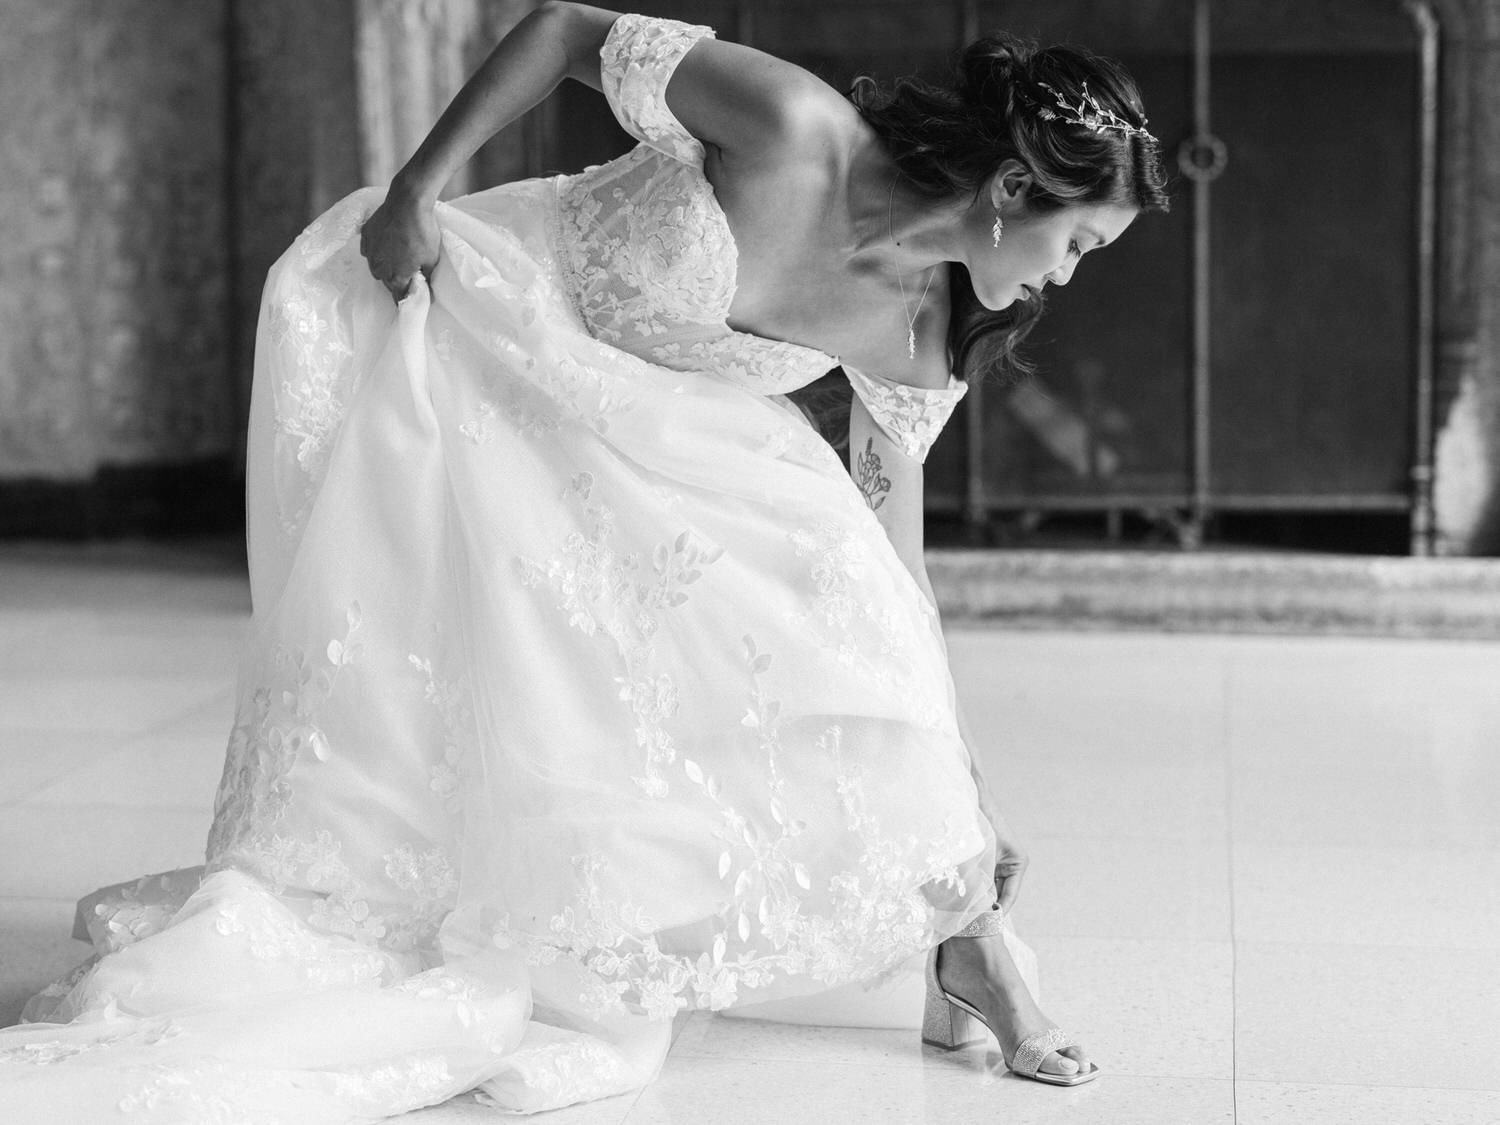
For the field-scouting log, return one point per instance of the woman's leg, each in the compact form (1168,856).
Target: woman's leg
(981,971)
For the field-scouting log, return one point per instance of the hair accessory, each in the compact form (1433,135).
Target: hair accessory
(997,230)
(911,317)
(1090,114)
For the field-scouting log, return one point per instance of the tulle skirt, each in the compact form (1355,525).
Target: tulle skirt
(580,691)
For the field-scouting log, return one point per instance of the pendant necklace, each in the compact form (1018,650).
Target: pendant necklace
(911,318)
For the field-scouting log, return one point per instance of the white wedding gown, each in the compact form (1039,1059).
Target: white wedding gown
(583,685)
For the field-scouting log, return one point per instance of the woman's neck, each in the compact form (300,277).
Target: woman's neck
(896,228)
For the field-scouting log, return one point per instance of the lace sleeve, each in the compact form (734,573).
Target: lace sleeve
(912,417)
(636,63)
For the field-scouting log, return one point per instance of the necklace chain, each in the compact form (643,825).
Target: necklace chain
(911,318)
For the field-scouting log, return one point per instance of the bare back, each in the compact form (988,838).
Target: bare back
(803,218)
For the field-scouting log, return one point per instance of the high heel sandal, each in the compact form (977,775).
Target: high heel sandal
(949,1021)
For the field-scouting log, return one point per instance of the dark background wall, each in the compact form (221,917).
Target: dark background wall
(157,157)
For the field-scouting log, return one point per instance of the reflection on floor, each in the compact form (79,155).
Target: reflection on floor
(1264,881)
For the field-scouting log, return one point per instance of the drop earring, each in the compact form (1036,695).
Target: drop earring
(997,230)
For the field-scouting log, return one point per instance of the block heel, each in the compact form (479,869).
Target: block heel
(950,1022)
(944,1023)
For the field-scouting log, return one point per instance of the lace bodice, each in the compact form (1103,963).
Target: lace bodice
(651,264)
(912,417)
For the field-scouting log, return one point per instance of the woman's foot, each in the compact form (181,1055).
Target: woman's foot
(981,971)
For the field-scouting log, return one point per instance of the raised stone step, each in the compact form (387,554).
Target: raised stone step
(1228,592)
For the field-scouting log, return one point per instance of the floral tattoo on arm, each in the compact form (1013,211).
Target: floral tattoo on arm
(872,485)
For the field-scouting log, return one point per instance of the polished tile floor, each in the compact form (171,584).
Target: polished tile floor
(1265,884)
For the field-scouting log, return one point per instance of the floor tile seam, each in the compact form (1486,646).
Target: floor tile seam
(159,727)
(922,1063)
(130,732)
(1372,1086)
(1035,934)
(1226,741)
(919,1064)
(113,673)
(954,1073)
(1105,842)
(8,803)
(1479,852)
(1364,946)
(119,750)
(1107,838)
(1029,931)
(205,806)
(1490,849)
(34,900)
(635,1100)
(10,733)
(1143,636)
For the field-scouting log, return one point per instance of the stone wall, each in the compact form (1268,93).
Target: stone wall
(113,247)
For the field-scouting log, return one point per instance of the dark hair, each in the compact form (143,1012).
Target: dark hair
(947,140)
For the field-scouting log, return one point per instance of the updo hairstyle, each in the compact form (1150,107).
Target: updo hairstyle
(948,139)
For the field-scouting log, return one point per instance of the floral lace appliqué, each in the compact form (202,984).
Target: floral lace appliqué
(868,917)
(275,726)
(451,698)
(309,406)
(646,253)
(635,61)
(608,592)
(912,417)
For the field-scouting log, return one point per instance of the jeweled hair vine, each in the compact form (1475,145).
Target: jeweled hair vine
(1087,112)
(1008,99)
(1072,118)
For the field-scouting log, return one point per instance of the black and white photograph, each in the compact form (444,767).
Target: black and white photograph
(750,562)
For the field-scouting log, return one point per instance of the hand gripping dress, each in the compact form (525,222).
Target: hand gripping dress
(583,686)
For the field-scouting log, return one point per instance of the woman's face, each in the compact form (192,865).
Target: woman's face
(1036,248)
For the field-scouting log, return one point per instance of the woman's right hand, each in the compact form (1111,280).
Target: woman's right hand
(399,238)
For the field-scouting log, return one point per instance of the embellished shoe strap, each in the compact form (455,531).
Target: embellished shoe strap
(991,922)
(1032,1051)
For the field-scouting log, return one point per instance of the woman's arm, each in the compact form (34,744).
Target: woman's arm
(401,236)
(555,41)
(746,104)
(891,483)
(732,97)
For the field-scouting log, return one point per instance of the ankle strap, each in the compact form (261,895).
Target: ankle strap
(987,924)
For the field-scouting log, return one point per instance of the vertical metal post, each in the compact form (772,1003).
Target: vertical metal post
(976,504)
(1423,525)
(1201,465)
(1202,158)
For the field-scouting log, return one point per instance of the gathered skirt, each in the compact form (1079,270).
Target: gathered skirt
(580,691)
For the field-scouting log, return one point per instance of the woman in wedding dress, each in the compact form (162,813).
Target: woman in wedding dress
(585,685)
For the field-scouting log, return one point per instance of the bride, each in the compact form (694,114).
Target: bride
(585,683)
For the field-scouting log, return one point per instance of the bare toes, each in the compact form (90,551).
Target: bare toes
(1061,1064)
(1079,1057)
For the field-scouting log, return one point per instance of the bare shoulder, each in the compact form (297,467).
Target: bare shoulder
(747,104)
(753,106)
(814,113)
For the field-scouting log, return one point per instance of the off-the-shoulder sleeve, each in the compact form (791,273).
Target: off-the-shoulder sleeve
(636,62)
(912,417)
